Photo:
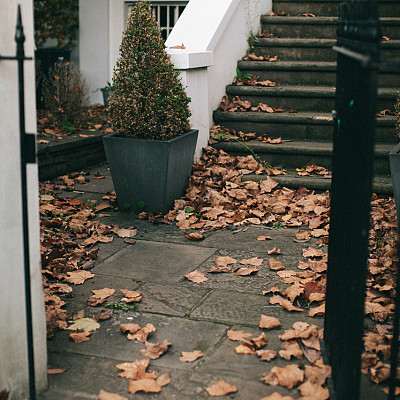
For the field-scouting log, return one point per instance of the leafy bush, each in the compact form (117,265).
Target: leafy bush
(66,93)
(149,100)
(56,19)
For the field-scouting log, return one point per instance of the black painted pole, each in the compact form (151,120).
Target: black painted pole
(20,39)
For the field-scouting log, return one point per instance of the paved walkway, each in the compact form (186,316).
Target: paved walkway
(191,316)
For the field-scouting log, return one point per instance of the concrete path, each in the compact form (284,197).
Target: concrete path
(191,316)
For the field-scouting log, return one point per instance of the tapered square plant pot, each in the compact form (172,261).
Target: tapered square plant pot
(394,159)
(153,172)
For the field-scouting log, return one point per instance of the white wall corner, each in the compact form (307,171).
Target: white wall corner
(13,347)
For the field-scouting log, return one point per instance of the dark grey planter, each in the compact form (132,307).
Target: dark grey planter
(394,159)
(155,172)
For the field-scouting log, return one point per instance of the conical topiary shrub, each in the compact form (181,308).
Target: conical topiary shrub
(149,101)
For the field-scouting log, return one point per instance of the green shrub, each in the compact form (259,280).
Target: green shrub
(66,94)
(149,100)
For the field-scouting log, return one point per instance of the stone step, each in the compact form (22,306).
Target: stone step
(306,72)
(319,27)
(298,126)
(302,98)
(301,49)
(387,8)
(299,154)
(381,185)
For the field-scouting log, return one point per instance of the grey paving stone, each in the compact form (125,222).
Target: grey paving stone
(232,307)
(154,261)
(108,342)
(169,299)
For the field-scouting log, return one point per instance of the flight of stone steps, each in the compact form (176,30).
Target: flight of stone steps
(306,76)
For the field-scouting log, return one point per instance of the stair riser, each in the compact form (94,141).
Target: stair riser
(312,53)
(301,131)
(314,30)
(328,9)
(318,104)
(294,160)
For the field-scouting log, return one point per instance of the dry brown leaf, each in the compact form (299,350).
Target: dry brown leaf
(103,395)
(104,315)
(260,341)
(141,334)
(78,277)
(267,322)
(286,304)
(316,392)
(266,355)
(317,311)
(217,270)
(274,251)
(126,232)
(221,388)
(290,349)
(134,370)
(55,371)
(303,235)
(317,374)
(155,350)
(238,336)
(275,265)
(264,238)
(292,292)
(245,348)
(288,376)
(311,252)
(99,296)
(130,327)
(79,337)
(277,396)
(144,385)
(190,356)
(131,296)
(223,261)
(274,289)
(196,276)
(194,235)
(245,271)
(255,261)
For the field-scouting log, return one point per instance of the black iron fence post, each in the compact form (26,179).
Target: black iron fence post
(27,155)
(353,154)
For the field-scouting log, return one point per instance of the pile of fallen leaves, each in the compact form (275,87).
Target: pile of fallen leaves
(94,120)
(68,233)
(219,133)
(254,57)
(236,104)
(254,81)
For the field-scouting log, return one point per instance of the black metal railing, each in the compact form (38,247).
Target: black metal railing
(358,38)
(27,156)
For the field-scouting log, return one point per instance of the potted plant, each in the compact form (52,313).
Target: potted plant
(394,159)
(151,152)
(56,24)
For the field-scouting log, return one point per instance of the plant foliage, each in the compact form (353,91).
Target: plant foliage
(56,19)
(66,94)
(149,100)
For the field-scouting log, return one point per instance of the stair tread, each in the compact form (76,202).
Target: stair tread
(289,19)
(310,42)
(298,146)
(301,90)
(381,184)
(290,65)
(309,117)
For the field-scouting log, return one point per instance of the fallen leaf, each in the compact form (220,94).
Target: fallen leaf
(155,350)
(215,269)
(221,388)
(104,315)
(317,311)
(286,304)
(84,324)
(194,235)
(103,395)
(275,265)
(288,376)
(78,277)
(99,296)
(237,336)
(79,337)
(196,277)
(317,392)
(245,271)
(260,341)
(267,322)
(142,333)
(144,385)
(292,292)
(190,356)
(126,232)
(54,371)
(290,349)
(255,261)
(278,396)
(223,261)
(274,251)
(131,296)
(245,348)
(134,370)
(129,327)
(263,238)
(266,355)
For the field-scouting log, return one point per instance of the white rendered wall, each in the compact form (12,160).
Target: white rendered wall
(13,355)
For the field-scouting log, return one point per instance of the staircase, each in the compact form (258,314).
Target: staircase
(306,74)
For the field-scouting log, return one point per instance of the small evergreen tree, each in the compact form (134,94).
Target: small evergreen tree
(148,100)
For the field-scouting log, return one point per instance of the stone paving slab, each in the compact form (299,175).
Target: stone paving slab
(154,262)
(174,300)
(232,307)
(108,342)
